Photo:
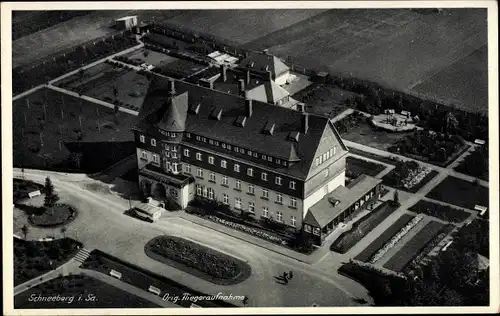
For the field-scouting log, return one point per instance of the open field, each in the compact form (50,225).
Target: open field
(39,45)
(241,26)
(400,49)
(84,287)
(413,247)
(67,143)
(460,193)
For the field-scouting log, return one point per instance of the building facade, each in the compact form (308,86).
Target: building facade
(256,157)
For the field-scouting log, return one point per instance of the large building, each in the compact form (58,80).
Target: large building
(271,161)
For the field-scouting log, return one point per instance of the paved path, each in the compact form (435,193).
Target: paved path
(101,224)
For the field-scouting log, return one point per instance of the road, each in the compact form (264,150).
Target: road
(101,224)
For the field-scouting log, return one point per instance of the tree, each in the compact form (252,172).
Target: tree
(51,196)
(25,230)
(451,123)
(395,199)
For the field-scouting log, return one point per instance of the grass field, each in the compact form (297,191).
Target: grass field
(381,240)
(356,167)
(60,133)
(413,247)
(444,212)
(93,293)
(460,193)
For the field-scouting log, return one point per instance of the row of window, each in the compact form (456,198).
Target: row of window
(238,204)
(240,150)
(237,168)
(237,186)
(315,230)
(329,154)
(142,138)
(169,166)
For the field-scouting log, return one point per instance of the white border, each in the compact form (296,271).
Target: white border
(6,63)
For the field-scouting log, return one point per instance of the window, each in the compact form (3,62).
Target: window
(198,156)
(205,191)
(228,146)
(331,152)
(144,155)
(334,150)
(236,167)
(292,185)
(198,138)
(278,180)
(174,149)
(307,228)
(264,157)
(174,167)
(199,172)
(225,198)
(237,184)
(216,143)
(173,134)
(265,212)
(156,158)
(211,160)
(174,155)
(167,154)
(223,164)
(210,193)
(251,189)
(316,231)
(251,207)
(250,172)
(293,202)
(187,168)
(249,152)
(279,216)
(265,193)
(224,181)
(211,142)
(186,152)
(153,142)
(188,135)
(204,139)
(211,176)
(198,189)
(279,198)
(142,139)
(293,220)
(236,149)
(255,154)
(327,173)
(263,176)
(237,203)
(324,157)
(278,161)
(224,145)
(269,158)
(320,160)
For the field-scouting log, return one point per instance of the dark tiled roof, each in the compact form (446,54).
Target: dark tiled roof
(251,135)
(262,62)
(324,211)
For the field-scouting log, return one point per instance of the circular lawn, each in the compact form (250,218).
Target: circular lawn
(198,260)
(59,214)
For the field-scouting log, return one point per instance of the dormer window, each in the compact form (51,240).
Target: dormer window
(142,139)
(240,121)
(269,128)
(216,114)
(194,108)
(153,142)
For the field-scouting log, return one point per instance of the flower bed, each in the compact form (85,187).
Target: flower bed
(220,268)
(409,176)
(444,212)
(372,248)
(415,176)
(414,246)
(382,251)
(58,215)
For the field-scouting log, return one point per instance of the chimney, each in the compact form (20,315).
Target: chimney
(249,106)
(269,75)
(305,122)
(248,76)
(242,86)
(224,73)
(171,87)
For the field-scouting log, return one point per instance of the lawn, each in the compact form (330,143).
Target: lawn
(476,164)
(444,212)
(409,176)
(356,167)
(460,192)
(196,259)
(83,292)
(413,247)
(58,215)
(362,227)
(179,68)
(73,131)
(34,258)
(143,279)
(381,240)
(22,188)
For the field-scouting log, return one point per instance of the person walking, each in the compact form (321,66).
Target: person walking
(285,278)
(290,274)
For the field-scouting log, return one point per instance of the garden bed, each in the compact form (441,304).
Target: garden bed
(387,235)
(143,279)
(34,258)
(362,227)
(476,164)
(350,121)
(196,259)
(22,188)
(409,176)
(444,212)
(460,192)
(58,215)
(413,247)
(93,293)
(356,167)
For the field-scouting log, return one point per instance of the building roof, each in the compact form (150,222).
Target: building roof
(334,203)
(262,62)
(147,208)
(127,18)
(250,136)
(172,115)
(269,92)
